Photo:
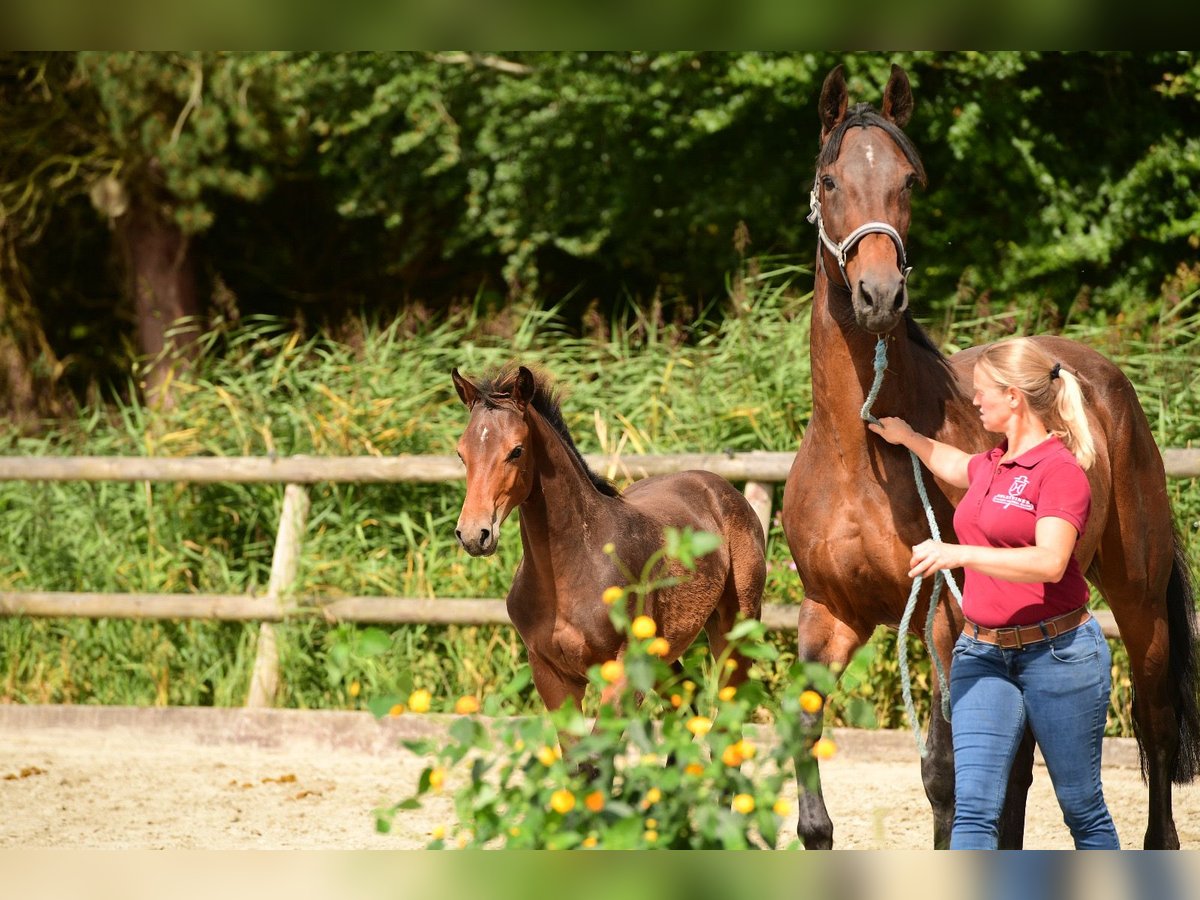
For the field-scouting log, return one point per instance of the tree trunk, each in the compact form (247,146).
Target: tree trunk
(162,282)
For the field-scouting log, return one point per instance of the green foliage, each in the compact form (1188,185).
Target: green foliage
(669,764)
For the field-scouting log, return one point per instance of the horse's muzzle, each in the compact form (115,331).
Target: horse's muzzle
(879,304)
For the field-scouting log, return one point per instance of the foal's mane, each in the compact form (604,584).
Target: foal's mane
(496,391)
(863,115)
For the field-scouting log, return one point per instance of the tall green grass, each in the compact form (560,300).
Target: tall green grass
(639,385)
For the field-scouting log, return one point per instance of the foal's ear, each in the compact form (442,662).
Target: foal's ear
(897,97)
(467,392)
(523,388)
(832,105)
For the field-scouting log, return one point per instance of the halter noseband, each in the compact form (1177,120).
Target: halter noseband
(850,241)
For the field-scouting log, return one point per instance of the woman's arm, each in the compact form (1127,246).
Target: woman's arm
(1045,561)
(946,462)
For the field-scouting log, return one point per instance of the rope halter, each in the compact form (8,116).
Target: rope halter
(841,250)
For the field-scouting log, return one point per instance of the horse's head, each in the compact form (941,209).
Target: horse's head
(496,450)
(860,201)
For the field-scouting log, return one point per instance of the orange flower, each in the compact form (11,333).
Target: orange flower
(651,836)
(699,725)
(465,706)
(594,801)
(652,796)
(694,769)
(746,749)
(643,627)
(744,804)
(731,664)
(354,689)
(439,832)
(419,701)
(396,710)
(612,671)
(437,777)
(782,807)
(562,801)
(612,594)
(590,841)
(658,647)
(731,757)
(811,702)
(727,693)
(547,755)
(676,701)
(824,748)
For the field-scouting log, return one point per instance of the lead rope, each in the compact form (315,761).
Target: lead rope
(939,576)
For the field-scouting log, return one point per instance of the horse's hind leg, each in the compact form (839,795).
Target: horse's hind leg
(742,596)
(822,638)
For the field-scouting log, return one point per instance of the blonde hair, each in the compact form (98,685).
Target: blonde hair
(1053,393)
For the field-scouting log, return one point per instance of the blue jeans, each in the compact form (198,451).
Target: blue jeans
(1060,687)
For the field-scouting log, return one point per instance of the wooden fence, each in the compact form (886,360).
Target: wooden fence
(758,469)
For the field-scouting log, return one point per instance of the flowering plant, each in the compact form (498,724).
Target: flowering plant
(687,767)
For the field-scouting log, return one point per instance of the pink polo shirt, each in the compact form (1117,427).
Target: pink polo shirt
(1001,509)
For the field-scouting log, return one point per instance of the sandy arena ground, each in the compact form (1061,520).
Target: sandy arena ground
(75,777)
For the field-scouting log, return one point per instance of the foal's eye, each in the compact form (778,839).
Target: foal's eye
(828,183)
(515,454)
(910,181)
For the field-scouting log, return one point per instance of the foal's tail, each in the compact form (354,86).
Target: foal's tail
(1184,677)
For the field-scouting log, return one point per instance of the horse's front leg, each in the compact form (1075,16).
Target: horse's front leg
(937,767)
(823,638)
(555,689)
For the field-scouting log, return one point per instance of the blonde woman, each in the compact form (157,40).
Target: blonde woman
(1030,652)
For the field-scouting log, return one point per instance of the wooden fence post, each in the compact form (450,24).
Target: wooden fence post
(759,495)
(264,683)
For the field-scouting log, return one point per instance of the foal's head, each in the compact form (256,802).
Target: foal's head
(503,451)
(866,170)
(494,448)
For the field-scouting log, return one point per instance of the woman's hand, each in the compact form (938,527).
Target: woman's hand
(932,556)
(893,430)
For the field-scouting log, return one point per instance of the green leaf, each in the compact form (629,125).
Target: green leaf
(374,642)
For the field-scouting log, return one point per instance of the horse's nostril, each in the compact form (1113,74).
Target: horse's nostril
(458,534)
(484,534)
(898,302)
(865,293)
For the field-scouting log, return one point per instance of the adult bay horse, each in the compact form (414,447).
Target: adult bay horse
(851,510)
(519,453)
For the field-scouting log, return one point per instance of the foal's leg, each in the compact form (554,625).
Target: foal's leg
(825,639)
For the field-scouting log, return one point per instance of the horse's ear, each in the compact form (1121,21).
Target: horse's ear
(523,388)
(832,105)
(898,98)
(467,392)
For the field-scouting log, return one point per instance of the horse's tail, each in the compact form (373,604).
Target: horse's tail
(1183,674)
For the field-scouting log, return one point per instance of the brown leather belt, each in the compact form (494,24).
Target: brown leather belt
(1024,635)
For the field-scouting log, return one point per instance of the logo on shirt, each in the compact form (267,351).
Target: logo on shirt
(1013,497)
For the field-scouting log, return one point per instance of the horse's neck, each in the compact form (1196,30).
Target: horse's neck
(917,385)
(842,358)
(563,505)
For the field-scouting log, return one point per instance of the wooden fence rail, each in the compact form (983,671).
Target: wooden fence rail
(758,465)
(758,469)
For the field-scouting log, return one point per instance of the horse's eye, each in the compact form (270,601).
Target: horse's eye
(828,183)
(515,454)
(910,181)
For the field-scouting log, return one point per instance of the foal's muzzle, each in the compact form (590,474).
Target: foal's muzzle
(478,540)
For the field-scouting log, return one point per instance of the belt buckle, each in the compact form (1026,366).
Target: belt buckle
(1016,633)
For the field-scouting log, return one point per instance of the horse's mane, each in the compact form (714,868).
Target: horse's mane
(496,391)
(863,115)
